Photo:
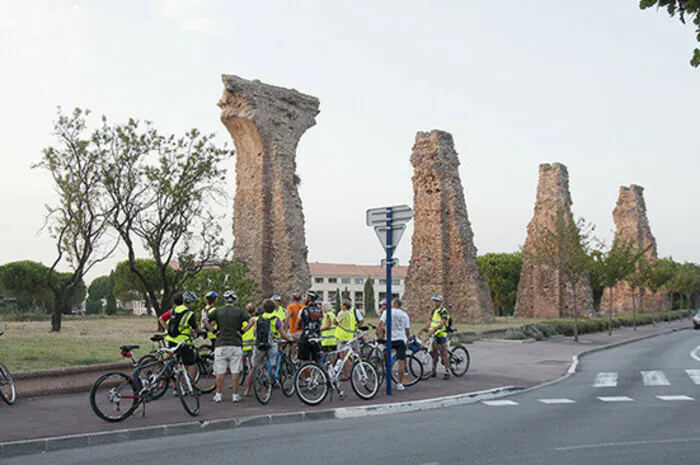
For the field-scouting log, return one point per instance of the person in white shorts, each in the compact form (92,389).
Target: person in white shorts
(227,355)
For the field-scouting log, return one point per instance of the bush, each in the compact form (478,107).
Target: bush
(515,334)
(533,332)
(547,329)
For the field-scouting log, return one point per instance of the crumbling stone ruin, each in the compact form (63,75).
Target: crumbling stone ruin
(443,259)
(631,224)
(266,123)
(544,292)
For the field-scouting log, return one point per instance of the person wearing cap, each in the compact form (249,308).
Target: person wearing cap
(280,312)
(382,307)
(210,297)
(228,353)
(437,327)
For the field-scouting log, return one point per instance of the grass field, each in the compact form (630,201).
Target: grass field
(31,346)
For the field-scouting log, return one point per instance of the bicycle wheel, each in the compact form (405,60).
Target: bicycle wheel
(188,393)
(286,377)
(413,371)
(378,364)
(459,360)
(245,370)
(206,382)
(114,397)
(7,386)
(262,383)
(426,360)
(311,384)
(364,380)
(366,351)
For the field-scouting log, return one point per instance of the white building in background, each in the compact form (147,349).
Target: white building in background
(327,278)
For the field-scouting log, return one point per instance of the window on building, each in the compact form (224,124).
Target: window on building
(359,281)
(395,282)
(345,280)
(320,295)
(332,280)
(359,296)
(382,282)
(331,296)
(346,294)
(318,280)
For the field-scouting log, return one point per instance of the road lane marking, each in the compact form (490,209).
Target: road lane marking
(499,403)
(616,399)
(654,378)
(628,443)
(674,398)
(694,375)
(557,401)
(695,353)
(605,380)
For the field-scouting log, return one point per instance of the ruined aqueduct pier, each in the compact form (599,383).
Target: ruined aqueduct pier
(266,123)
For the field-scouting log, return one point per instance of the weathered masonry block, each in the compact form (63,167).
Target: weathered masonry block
(544,292)
(266,123)
(443,258)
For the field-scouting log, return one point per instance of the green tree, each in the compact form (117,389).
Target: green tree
(230,276)
(101,288)
(613,266)
(368,297)
(79,221)
(502,270)
(565,247)
(162,187)
(128,285)
(683,9)
(659,274)
(338,298)
(26,281)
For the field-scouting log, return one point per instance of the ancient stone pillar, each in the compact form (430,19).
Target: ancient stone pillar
(443,258)
(266,123)
(544,292)
(631,224)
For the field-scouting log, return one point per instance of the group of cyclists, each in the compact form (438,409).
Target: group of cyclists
(241,336)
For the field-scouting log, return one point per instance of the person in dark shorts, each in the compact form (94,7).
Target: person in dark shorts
(310,320)
(400,332)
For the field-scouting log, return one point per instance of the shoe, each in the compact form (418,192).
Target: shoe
(246,393)
(433,374)
(175,393)
(446,377)
(400,387)
(236,398)
(217,397)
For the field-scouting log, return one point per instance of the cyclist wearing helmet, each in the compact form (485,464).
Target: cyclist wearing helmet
(210,297)
(187,324)
(310,320)
(280,312)
(437,327)
(293,311)
(229,351)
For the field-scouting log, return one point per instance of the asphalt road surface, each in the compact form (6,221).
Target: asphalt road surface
(636,404)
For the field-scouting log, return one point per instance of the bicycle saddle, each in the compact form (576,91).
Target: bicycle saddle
(381,341)
(129,348)
(157,337)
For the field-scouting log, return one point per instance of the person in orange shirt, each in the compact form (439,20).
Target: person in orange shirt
(293,310)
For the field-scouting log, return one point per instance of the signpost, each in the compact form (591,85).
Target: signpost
(389,223)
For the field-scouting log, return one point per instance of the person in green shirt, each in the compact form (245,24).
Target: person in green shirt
(229,343)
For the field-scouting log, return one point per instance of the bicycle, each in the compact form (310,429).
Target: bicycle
(7,384)
(269,376)
(137,391)
(314,380)
(458,356)
(374,352)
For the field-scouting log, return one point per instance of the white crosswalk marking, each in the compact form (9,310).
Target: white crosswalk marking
(557,401)
(694,375)
(499,403)
(608,379)
(616,399)
(671,398)
(655,378)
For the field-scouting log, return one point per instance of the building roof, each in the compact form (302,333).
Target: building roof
(360,271)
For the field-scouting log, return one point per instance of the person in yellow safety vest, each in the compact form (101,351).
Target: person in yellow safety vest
(437,327)
(328,329)
(248,339)
(346,322)
(210,297)
(280,312)
(187,324)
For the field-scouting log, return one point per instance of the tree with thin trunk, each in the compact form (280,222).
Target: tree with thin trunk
(162,188)
(614,265)
(79,220)
(564,248)
(637,282)
(368,297)
(659,274)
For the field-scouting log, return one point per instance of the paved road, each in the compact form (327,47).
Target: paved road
(635,404)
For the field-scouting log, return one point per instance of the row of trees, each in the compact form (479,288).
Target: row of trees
(26,281)
(126,184)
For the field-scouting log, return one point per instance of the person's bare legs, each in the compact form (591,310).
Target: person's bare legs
(220,383)
(445,360)
(402,370)
(235,377)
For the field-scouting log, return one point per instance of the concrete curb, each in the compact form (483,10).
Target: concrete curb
(37,446)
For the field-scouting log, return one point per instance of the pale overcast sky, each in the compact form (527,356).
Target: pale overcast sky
(598,85)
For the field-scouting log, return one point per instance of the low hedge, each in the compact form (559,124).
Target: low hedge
(600,323)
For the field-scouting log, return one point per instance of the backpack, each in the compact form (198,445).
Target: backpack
(448,324)
(263,333)
(174,322)
(311,326)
